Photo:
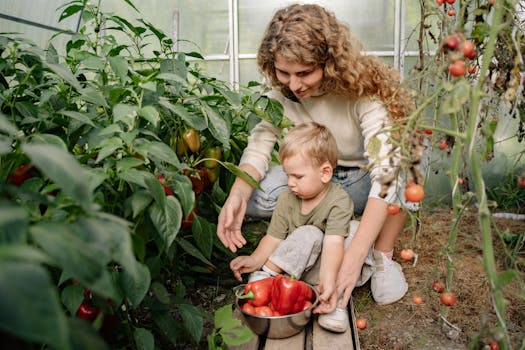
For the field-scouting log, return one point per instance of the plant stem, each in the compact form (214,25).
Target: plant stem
(484,216)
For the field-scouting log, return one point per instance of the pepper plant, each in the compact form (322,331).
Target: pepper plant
(106,210)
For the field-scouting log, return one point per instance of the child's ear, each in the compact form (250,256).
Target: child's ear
(327,172)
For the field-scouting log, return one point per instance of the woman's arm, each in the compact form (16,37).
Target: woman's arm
(372,221)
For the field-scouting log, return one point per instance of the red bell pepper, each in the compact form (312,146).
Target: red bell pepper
(289,295)
(258,293)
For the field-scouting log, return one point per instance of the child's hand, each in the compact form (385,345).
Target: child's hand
(243,264)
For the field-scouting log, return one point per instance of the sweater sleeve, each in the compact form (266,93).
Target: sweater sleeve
(261,141)
(383,159)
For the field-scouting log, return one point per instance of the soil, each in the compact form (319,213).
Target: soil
(469,324)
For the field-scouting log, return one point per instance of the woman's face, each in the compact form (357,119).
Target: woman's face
(303,80)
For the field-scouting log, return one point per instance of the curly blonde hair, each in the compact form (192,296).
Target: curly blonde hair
(311,35)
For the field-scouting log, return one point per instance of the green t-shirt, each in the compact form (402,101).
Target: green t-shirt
(332,215)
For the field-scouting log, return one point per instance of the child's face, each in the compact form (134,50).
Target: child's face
(305,180)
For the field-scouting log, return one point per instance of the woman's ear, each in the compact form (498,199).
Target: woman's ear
(327,171)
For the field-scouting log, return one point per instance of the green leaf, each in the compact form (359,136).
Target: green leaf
(81,117)
(163,152)
(167,220)
(135,287)
(454,101)
(232,330)
(65,74)
(505,278)
(139,201)
(193,120)
(172,77)
(14,222)
(373,147)
(30,307)
(143,339)
(217,126)
(70,11)
(24,253)
(190,249)
(84,336)
(155,188)
(72,296)
(27,109)
(182,187)
(204,234)
(107,147)
(192,320)
(125,114)
(120,66)
(133,176)
(94,97)
(167,325)
(6,126)
(240,173)
(151,114)
(62,168)
(128,163)
(160,292)
(50,139)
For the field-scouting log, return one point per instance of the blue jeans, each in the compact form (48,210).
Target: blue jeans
(355,181)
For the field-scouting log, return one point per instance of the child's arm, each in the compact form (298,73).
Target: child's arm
(331,257)
(245,264)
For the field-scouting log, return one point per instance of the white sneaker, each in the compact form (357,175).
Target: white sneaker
(336,321)
(258,275)
(388,282)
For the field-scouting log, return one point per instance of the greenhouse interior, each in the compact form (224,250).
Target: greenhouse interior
(149,151)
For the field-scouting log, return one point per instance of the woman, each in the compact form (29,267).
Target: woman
(318,73)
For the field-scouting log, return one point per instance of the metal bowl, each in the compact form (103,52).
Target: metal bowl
(278,327)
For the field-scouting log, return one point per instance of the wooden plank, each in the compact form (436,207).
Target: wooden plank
(295,342)
(326,340)
(351,315)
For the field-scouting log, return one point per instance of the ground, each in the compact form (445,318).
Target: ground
(405,325)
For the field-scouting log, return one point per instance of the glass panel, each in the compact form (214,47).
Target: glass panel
(43,12)
(216,69)
(369,21)
(413,18)
(249,71)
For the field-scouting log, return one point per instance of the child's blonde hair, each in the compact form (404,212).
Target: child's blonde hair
(311,139)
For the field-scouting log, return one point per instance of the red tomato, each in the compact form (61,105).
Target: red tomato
(521,182)
(472,69)
(494,345)
(264,311)
(392,209)
(428,132)
(458,68)
(460,181)
(438,287)
(452,41)
(248,308)
(407,254)
(414,193)
(440,2)
(447,298)
(492,2)
(451,1)
(468,49)
(442,145)
(360,323)
(418,300)
(451,12)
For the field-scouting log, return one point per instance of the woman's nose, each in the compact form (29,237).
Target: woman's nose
(295,83)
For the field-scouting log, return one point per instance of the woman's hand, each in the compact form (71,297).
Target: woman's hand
(347,278)
(327,298)
(230,222)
